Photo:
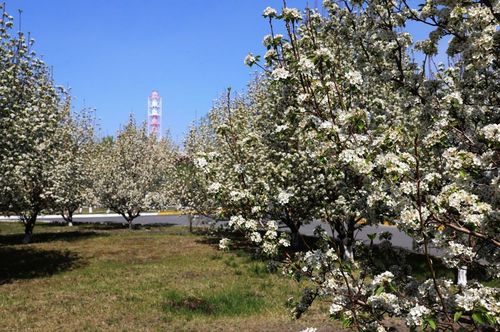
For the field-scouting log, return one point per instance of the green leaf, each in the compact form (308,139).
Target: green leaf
(432,323)
(491,320)
(477,317)
(360,125)
(392,287)
(379,290)
(457,316)
(346,322)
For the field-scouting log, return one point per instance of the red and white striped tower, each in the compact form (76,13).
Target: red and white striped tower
(154,114)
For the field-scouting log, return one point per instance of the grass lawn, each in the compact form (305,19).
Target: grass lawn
(91,278)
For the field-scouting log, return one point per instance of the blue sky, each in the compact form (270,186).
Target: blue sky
(112,53)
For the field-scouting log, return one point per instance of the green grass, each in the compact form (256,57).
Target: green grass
(236,300)
(107,278)
(102,278)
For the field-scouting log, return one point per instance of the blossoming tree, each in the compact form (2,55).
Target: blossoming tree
(31,115)
(73,168)
(375,129)
(128,172)
(188,184)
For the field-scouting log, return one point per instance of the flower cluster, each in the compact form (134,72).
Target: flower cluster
(383,278)
(385,302)
(224,244)
(416,314)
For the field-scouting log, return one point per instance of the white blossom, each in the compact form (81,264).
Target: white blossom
(325,125)
(306,65)
(382,278)
(416,314)
(456,250)
(236,222)
(214,187)
(335,309)
(453,98)
(284,242)
(270,12)
(269,248)
(410,219)
(492,132)
(280,128)
(291,14)
(385,301)
(354,77)
(201,163)
(255,237)
(280,74)
(249,60)
(236,195)
(284,197)
(224,244)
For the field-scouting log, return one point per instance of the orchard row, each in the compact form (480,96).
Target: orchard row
(352,122)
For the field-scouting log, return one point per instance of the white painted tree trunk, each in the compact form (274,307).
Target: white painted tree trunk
(348,253)
(91,209)
(80,210)
(108,211)
(70,224)
(462,276)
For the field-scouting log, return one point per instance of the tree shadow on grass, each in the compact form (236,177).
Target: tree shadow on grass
(241,245)
(383,257)
(11,239)
(100,226)
(29,263)
(238,240)
(106,226)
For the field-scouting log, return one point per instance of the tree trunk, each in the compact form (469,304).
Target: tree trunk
(190,218)
(295,241)
(29,224)
(69,217)
(27,238)
(341,236)
(129,216)
(462,276)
